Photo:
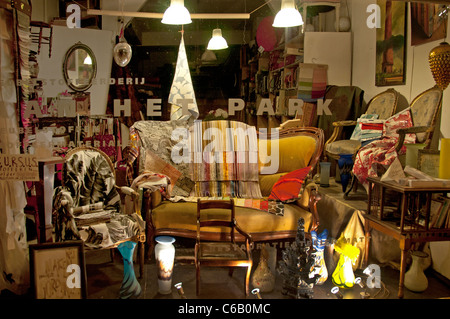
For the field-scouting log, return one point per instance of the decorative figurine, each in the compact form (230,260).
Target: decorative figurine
(297,267)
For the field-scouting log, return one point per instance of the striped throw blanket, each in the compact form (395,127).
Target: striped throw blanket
(224,159)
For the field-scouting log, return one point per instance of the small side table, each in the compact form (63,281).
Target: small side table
(407,232)
(44,196)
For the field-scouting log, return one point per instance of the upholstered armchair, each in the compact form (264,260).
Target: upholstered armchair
(88,207)
(413,125)
(380,107)
(383,105)
(424,109)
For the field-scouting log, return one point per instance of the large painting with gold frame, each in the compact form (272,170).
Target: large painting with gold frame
(390,46)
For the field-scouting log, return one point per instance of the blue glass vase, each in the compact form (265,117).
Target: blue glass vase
(345,163)
(130,286)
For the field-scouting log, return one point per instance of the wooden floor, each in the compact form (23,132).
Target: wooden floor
(105,278)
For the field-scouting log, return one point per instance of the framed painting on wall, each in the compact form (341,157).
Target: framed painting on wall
(58,270)
(390,46)
(427,24)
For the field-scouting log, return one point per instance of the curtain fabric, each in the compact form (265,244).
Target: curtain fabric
(14,264)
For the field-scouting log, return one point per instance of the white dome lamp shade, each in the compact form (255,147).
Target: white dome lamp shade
(288,16)
(217,41)
(176,14)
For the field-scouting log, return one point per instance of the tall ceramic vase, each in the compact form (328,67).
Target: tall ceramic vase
(345,163)
(415,279)
(165,256)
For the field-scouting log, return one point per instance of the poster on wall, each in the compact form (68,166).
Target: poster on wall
(426,23)
(19,167)
(390,46)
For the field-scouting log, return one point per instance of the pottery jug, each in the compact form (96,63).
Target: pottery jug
(415,279)
(263,277)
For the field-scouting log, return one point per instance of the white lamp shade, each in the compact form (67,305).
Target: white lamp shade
(176,14)
(288,16)
(88,60)
(217,41)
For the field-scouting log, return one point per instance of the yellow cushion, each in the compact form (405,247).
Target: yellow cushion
(294,152)
(183,216)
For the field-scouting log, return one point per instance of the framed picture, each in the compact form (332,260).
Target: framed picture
(428,162)
(426,24)
(390,46)
(58,270)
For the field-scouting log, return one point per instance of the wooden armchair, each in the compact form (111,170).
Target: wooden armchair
(224,253)
(383,105)
(425,109)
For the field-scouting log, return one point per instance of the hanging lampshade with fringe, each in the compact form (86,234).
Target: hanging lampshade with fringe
(439,59)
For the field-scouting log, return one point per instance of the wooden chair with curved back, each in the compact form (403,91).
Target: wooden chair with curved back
(383,105)
(224,253)
(425,109)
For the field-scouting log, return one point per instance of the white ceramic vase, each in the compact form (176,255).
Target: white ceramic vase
(415,279)
(165,255)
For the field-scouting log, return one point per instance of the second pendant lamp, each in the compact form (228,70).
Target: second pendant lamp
(288,16)
(217,41)
(176,14)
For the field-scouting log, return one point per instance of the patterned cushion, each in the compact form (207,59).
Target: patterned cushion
(356,135)
(289,187)
(155,136)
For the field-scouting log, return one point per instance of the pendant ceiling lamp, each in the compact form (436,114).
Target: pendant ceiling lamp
(122,50)
(217,41)
(288,16)
(176,14)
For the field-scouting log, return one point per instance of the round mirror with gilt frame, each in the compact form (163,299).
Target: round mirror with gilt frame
(79,67)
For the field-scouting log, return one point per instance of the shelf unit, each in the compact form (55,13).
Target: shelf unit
(274,75)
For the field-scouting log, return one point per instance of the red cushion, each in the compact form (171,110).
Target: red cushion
(289,186)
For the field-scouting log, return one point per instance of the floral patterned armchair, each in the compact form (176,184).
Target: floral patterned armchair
(88,205)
